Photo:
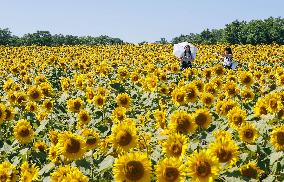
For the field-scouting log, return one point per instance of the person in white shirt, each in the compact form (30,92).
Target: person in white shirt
(228,58)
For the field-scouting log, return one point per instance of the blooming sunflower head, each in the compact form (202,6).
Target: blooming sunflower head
(175,145)
(250,170)
(132,167)
(123,100)
(277,138)
(182,122)
(236,117)
(248,132)
(92,138)
(124,136)
(23,131)
(203,166)
(170,169)
(202,118)
(71,146)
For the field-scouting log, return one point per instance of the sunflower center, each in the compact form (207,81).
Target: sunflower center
(176,149)
(280,138)
(35,95)
(224,155)
(73,146)
(24,132)
(191,94)
(238,120)
(4,177)
(248,133)
(123,101)
(91,140)
(183,124)
(171,174)
(273,104)
(124,138)
(8,113)
(84,117)
(180,97)
(250,172)
(263,110)
(208,100)
(48,105)
(134,170)
(203,168)
(100,101)
(247,80)
(77,105)
(201,119)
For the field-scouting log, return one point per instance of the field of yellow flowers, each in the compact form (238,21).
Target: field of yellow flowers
(127,113)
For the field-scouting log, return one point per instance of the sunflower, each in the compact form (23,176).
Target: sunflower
(191,92)
(99,101)
(160,117)
(90,94)
(175,145)
(8,172)
(2,112)
(203,166)
(247,132)
(68,173)
(277,138)
(10,114)
(222,134)
(34,93)
(29,172)
(274,103)
(260,108)
(135,77)
(53,136)
(178,96)
(251,170)
(31,107)
(150,83)
(122,72)
(231,89)
(119,114)
(21,98)
(207,99)
(247,95)
(8,85)
(182,122)
(92,138)
(65,84)
(71,146)
(227,106)
(75,105)
(53,153)
(170,170)
(132,167)
(202,118)
(23,131)
(124,136)
(236,117)
(40,146)
(83,118)
(225,150)
(123,100)
(47,105)
(246,78)
(210,88)
(199,85)
(219,70)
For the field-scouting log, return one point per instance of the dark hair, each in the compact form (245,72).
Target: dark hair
(229,50)
(189,51)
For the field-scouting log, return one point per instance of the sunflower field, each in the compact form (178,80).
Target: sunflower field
(127,113)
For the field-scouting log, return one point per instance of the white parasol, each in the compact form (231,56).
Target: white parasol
(179,49)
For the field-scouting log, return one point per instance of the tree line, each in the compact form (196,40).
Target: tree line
(267,31)
(45,38)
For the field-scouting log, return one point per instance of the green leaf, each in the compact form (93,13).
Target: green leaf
(275,156)
(106,163)
(46,169)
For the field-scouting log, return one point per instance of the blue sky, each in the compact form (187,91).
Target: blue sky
(130,20)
